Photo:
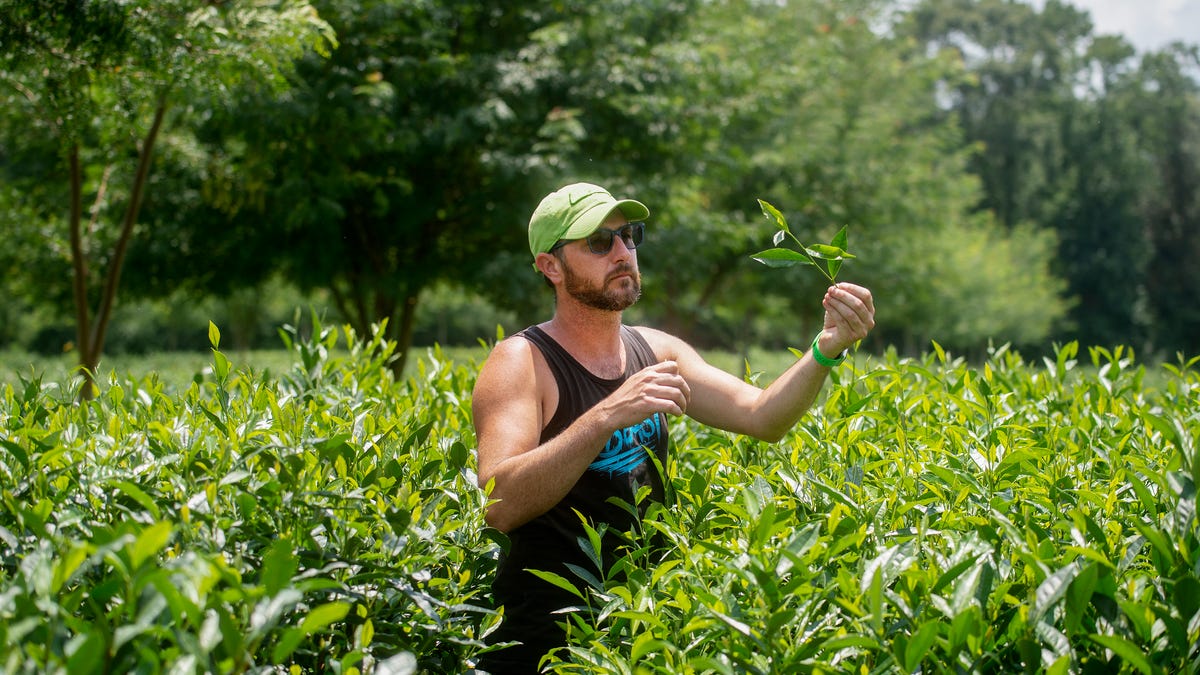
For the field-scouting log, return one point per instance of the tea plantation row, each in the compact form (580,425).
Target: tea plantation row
(930,516)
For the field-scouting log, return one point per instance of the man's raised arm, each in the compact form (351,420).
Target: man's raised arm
(726,402)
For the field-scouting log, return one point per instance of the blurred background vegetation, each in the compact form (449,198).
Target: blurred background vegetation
(1007,174)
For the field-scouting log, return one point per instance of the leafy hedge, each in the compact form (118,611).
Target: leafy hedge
(325,519)
(931,516)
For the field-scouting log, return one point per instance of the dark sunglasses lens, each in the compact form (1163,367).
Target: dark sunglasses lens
(600,241)
(632,234)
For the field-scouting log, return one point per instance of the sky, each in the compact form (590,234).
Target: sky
(1147,24)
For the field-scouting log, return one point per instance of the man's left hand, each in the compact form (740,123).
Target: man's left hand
(849,316)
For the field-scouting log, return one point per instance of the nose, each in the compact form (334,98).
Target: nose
(620,250)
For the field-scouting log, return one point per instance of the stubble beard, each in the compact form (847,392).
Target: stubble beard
(616,300)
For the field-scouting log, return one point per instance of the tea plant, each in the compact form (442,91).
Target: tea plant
(325,520)
(928,516)
(832,253)
(932,517)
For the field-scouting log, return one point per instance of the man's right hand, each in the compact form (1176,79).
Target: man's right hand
(654,389)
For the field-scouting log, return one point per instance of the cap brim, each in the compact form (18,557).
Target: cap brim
(632,209)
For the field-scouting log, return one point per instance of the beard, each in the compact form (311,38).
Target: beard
(600,297)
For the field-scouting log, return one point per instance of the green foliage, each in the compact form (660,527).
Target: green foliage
(96,83)
(1009,174)
(326,518)
(410,158)
(933,517)
(928,515)
(1079,134)
(832,253)
(843,127)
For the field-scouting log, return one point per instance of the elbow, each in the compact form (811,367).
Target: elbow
(771,432)
(493,516)
(493,513)
(497,518)
(774,428)
(771,435)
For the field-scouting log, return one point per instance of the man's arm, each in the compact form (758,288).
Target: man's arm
(509,414)
(726,402)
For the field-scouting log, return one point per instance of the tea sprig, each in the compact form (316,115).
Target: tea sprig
(832,253)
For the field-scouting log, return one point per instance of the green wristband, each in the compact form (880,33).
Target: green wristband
(825,360)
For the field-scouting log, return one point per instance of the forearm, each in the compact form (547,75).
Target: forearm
(529,484)
(787,399)
(849,315)
(528,478)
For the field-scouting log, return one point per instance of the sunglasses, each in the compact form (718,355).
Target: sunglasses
(600,242)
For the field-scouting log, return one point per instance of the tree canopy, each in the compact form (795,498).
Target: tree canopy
(1004,173)
(89,89)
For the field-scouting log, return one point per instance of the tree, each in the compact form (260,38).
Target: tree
(841,128)
(416,153)
(1057,113)
(1162,102)
(1023,65)
(101,80)
(1104,252)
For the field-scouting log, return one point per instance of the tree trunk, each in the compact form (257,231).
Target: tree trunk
(404,331)
(113,279)
(79,267)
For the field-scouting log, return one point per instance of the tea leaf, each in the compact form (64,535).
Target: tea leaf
(739,626)
(1186,595)
(278,566)
(1129,652)
(87,652)
(321,616)
(139,496)
(557,580)
(774,215)
(919,644)
(781,257)
(587,576)
(1050,591)
(66,566)
(645,644)
(17,451)
(825,252)
(149,543)
(288,642)
(840,241)
(221,366)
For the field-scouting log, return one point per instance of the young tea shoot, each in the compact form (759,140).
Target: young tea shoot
(832,253)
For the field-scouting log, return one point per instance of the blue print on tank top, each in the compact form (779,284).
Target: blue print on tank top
(627,448)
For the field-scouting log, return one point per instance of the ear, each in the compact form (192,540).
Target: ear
(550,265)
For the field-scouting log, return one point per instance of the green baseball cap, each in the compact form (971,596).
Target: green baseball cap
(574,212)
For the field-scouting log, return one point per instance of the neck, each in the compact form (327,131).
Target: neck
(591,335)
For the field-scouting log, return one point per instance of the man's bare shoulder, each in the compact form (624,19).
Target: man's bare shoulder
(514,384)
(513,354)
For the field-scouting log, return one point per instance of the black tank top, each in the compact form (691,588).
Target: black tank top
(550,542)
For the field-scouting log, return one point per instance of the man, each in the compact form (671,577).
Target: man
(567,412)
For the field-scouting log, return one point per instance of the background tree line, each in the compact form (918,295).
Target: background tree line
(1006,173)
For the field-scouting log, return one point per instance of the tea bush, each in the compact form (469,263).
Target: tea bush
(928,516)
(323,521)
(931,517)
